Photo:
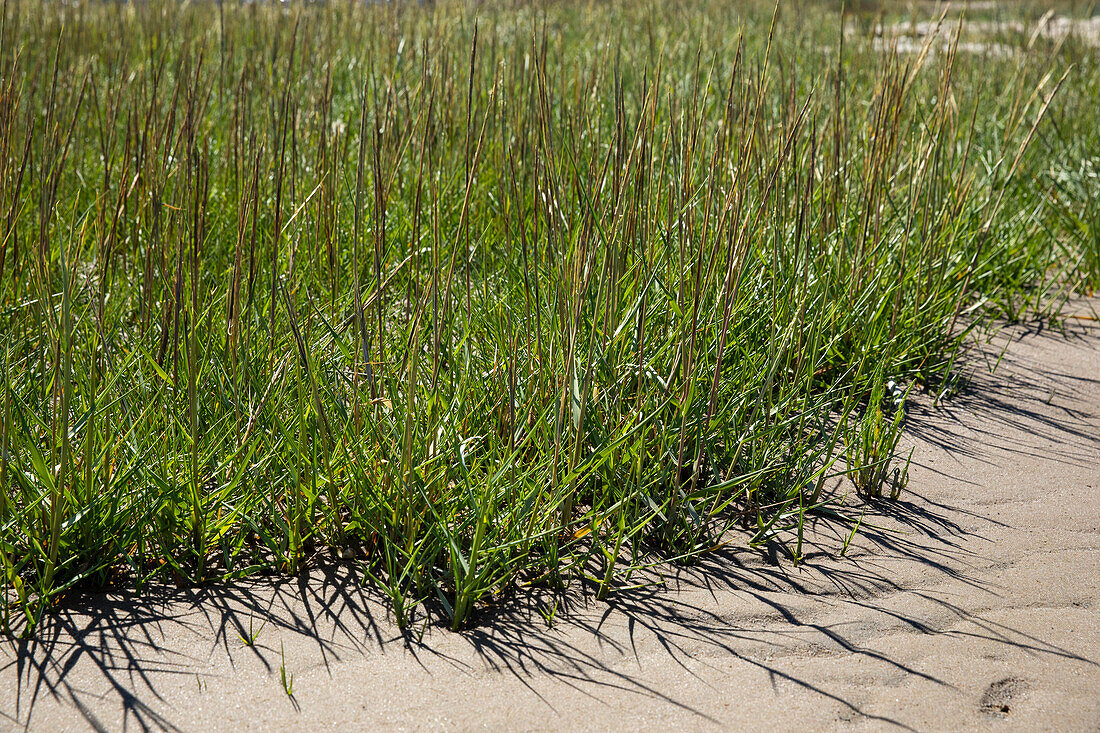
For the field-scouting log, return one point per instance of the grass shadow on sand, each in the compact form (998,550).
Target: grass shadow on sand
(743,604)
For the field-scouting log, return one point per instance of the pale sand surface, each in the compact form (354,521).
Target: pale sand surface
(973,603)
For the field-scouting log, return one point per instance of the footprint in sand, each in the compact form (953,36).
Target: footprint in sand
(998,697)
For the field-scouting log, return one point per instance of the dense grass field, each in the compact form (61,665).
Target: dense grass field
(468,296)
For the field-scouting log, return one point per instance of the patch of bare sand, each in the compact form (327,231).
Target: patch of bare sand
(972,603)
(982,37)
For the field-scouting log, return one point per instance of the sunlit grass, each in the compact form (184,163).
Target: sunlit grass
(467,296)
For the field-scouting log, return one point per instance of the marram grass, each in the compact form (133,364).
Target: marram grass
(473,295)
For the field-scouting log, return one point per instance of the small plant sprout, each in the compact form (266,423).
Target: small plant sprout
(549,614)
(851,535)
(286,679)
(250,639)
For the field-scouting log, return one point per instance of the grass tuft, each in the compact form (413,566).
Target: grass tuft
(469,296)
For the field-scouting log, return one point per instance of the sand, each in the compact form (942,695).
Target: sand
(973,602)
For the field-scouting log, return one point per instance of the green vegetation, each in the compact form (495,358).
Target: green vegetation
(469,296)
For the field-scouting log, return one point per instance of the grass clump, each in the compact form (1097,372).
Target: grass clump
(471,296)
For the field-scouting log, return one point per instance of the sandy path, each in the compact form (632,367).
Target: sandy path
(980,608)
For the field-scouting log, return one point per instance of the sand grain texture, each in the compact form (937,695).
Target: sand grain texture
(972,603)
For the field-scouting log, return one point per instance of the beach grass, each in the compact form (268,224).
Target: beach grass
(468,296)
